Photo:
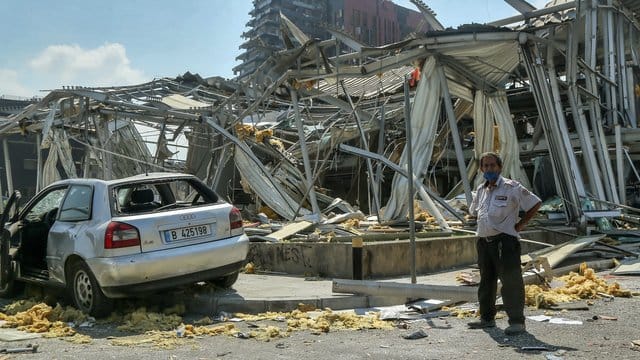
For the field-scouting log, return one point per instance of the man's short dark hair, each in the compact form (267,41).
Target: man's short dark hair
(493,155)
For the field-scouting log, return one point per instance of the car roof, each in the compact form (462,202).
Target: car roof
(135,178)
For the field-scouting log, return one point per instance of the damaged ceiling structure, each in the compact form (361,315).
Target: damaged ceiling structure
(309,135)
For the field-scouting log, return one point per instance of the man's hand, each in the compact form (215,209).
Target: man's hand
(527,216)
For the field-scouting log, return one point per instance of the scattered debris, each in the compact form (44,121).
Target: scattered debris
(30,348)
(249,268)
(582,285)
(461,312)
(42,318)
(467,278)
(552,357)
(141,320)
(415,335)
(554,320)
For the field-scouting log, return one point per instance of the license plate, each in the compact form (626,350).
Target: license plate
(189,232)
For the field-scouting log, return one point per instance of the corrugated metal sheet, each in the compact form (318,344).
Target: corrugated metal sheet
(389,81)
(177,101)
(491,61)
(634,6)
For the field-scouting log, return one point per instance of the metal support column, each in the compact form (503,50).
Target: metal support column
(39,162)
(363,137)
(380,152)
(609,64)
(579,119)
(453,126)
(305,156)
(620,165)
(565,182)
(595,114)
(7,166)
(409,149)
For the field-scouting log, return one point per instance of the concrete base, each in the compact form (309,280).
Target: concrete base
(380,259)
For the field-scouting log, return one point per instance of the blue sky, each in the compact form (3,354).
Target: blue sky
(47,44)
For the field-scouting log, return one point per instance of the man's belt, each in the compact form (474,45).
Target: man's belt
(494,237)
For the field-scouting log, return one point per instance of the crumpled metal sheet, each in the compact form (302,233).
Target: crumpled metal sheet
(277,199)
(424,122)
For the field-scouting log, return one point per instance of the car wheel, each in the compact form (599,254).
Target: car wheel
(86,293)
(226,281)
(12,287)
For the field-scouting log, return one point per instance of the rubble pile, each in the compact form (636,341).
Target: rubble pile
(582,285)
(142,320)
(167,329)
(42,318)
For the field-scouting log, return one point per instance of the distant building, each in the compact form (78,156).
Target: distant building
(10,105)
(373,22)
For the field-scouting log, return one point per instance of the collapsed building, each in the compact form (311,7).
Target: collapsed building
(355,135)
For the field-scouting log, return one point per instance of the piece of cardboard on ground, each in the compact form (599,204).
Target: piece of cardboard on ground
(12,334)
(573,306)
(631,267)
(416,310)
(288,231)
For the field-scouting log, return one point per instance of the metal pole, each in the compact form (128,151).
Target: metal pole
(595,114)
(543,95)
(620,165)
(87,150)
(412,221)
(453,126)
(7,165)
(356,257)
(366,146)
(380,152)
(39,163)
(623,94)
(305,156)
(610,65)
(579,119)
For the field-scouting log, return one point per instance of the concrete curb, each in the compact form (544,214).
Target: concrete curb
(208,304)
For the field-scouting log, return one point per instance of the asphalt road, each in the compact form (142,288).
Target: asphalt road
(447,338)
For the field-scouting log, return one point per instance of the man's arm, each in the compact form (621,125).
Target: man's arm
(472,208)
(527,216)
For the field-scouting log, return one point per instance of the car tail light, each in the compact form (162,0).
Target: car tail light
(120,235)
(235,221)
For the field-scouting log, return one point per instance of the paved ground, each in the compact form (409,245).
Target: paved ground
(254,293)
(446,337)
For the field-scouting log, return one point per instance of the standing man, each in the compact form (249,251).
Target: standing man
(496,207)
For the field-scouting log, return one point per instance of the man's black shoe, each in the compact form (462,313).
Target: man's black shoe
(515,329)
(481,324)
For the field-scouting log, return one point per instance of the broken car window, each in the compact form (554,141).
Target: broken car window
(160,196)
(77,204)
(49,202)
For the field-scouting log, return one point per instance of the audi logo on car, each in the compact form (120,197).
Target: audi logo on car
(187,217)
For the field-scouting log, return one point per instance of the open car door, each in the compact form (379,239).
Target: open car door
(5,241)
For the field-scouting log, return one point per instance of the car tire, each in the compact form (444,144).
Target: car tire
(12,287)
(86,292)
(226,281)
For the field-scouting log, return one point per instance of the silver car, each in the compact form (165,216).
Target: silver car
(102,240)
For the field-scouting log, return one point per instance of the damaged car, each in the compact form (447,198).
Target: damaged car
(101,240)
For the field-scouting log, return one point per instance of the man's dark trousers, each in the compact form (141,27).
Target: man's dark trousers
(499,258)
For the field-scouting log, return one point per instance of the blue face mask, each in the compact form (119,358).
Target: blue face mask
(491,176)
